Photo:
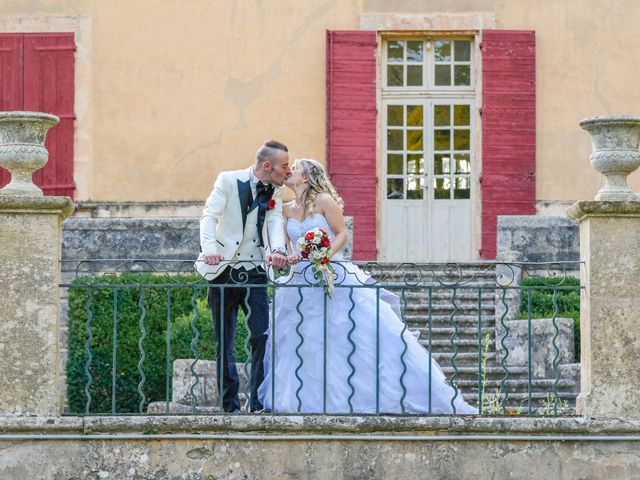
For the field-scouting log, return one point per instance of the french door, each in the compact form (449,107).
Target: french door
(427,179)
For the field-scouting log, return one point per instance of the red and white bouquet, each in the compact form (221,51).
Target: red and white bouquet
(315,246)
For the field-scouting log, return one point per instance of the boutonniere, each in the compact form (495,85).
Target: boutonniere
(271,205)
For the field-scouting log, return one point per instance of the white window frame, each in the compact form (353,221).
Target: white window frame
(428,71)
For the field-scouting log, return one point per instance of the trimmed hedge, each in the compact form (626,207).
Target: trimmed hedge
(568,301)
(99,298)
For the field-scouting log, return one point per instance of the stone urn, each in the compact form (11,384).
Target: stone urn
(22,149)
(615,141)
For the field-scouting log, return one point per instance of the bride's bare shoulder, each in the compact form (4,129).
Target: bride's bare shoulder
(325,200)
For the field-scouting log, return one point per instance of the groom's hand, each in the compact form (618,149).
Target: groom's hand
(213,259)
(278,260)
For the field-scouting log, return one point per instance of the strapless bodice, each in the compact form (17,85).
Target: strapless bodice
(297,228)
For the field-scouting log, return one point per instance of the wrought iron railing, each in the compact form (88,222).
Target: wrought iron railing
(134,324)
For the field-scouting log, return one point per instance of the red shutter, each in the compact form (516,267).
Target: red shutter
(351,131)
(11,91)
(508,129)
(37,74)
(49,87)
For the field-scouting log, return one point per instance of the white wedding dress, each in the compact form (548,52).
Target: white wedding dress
(336,363)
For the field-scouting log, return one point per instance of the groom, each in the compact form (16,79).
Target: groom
(243,216)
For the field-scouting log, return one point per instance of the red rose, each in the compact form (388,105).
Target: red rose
(322,231)
(308,248)
(325,260)
(325,242)
(309,236)
(271,204)
(304,254)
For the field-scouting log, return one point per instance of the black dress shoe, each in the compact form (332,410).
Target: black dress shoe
(235,410)
(263,410)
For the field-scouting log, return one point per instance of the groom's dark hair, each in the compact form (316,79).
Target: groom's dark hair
(267,151)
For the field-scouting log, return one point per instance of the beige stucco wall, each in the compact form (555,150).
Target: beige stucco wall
(172,92)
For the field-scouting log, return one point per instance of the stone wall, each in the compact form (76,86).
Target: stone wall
(126,238)
(315,447)
(538,238)
(159,238)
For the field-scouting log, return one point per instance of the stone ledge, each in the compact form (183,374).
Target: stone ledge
(591,208)
(318,424)
(32,204)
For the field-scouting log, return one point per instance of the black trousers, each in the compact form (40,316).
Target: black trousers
(224,302)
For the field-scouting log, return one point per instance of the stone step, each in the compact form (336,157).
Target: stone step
(438,319)
(460,295)
(470,373)
(444,345)
(462,359)
(516,385)
(520,400)
(446,332)
(493,371)
(460,309)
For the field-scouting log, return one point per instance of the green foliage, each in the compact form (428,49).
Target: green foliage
(99,299)
(567,299)
(205,346)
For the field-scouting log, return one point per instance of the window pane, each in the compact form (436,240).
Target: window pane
(414,140)
(462,188)
(461,115)
(415,188)
(414,75)
(463,163)
(394,115)
(442,114)
(395,51)
(443,51)
(441,188)
(394,164)
(463,75)
(441,164)
(442,139)
(461,139)
(443,75)
(415,164)
(462,51)
(395,188)
(414,51)
(414,116)
(394,75)
(394,140)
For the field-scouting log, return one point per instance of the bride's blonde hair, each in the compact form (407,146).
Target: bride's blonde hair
(318,182)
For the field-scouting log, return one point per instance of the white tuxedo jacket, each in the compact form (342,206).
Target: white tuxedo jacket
(223,220)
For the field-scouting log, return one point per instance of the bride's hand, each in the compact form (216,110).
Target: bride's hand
(292,258)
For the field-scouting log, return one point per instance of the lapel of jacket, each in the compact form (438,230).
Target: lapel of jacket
(245,196)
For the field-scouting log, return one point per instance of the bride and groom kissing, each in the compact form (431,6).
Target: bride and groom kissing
(344,353)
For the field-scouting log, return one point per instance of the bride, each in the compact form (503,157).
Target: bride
(349,352)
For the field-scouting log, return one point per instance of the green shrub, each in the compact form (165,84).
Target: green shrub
(567,300)
(100,299)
